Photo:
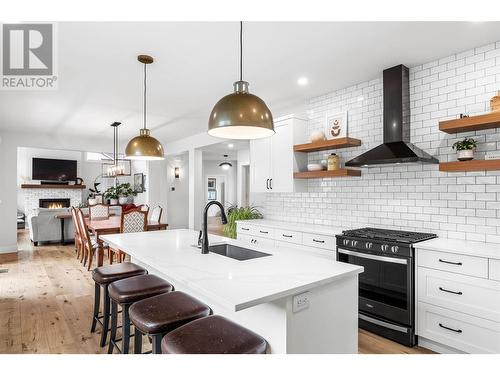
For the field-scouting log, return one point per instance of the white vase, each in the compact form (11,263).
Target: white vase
(113,201)
(464,155)
(122,200)
(92,201)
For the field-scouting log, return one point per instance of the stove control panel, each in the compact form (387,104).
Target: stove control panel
(374,246)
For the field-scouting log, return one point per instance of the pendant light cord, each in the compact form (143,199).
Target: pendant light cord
(145,93)
(241,50)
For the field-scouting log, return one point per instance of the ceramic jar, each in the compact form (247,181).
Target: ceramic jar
(317,136)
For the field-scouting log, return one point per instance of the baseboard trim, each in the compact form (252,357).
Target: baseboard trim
(8,249)
(437,347)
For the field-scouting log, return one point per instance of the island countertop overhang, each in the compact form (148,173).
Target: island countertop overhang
(235,284)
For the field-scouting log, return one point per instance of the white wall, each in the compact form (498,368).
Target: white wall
(178,199)
(243,160)
(211,169)
(409,197)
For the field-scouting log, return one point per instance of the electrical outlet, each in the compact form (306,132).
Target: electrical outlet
(300,302)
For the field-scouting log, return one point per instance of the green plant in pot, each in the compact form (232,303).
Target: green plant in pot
(465,148)
(125,191)
(111,193)
(235,213)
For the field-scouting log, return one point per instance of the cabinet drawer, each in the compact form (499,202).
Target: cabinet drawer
(245,228)
(288,236)
(264,232)
(463,332)
(316,240)
(311,250)
(494,269)
(263,243)
(463,264)
(470,295)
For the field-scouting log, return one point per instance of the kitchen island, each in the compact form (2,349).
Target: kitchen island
(299,302)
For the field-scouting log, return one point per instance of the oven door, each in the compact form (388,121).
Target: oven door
(385,286)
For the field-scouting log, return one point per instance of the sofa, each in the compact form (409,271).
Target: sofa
(45,227)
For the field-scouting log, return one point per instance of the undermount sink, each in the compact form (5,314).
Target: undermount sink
(236,252)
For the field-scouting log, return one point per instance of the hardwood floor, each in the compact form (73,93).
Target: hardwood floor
(46,301)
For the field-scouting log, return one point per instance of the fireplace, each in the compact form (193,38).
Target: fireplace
(54,203)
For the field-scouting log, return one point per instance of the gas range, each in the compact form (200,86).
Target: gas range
(387,285)
(391,242)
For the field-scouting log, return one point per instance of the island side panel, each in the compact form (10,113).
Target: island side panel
(268,319)
(329,324)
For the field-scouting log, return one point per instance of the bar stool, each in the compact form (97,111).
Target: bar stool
(103,276)
(213,335)
(158,315)
(124,293)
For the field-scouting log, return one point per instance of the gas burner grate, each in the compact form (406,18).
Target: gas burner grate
(389,235)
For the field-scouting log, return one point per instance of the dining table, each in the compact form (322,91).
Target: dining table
(111,225)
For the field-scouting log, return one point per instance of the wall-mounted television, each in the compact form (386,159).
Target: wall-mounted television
(53,169)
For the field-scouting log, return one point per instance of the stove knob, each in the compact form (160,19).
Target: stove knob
(368,245)
(394,249)
(346,242)
(354,243)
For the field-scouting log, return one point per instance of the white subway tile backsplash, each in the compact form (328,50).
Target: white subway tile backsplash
(409,197)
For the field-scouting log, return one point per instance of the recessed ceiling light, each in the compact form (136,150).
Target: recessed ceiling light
(302,81)
(230,145)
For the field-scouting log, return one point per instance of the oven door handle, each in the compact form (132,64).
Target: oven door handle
(373,257)
(383,324)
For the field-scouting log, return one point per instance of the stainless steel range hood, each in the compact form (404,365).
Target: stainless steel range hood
(396,147)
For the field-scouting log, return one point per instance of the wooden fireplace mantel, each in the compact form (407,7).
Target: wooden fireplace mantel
(40,186)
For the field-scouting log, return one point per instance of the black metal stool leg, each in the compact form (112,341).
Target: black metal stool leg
(157,343)
(125,329)
(97,301)
(114,324)
(137,341)
(105,317)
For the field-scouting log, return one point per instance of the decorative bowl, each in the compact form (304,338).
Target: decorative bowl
(314,167)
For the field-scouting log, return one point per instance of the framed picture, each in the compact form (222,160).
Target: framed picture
(138,182)
(336,125)
(212,183)
(212,195)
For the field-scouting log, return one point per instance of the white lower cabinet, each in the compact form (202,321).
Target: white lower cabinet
(264,236)
(458,302)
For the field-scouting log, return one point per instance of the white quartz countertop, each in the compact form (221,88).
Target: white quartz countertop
(298,227)
(235,284)
(473,248)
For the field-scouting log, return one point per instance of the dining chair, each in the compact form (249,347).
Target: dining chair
(132,221)
(89,242)
(156,214)
(78,237)
(98,211)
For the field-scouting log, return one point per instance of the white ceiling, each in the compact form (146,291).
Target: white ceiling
(218,150)
(100,80)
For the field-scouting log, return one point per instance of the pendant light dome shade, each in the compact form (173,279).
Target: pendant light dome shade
(144,147)
(241,115)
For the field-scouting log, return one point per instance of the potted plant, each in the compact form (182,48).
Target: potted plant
(111,193)
(465,148)
(125,191)
(235,213)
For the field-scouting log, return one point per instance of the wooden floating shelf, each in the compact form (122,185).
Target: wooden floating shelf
(472,123)
(327,145)
(325,174)
(56,186)
(470,166)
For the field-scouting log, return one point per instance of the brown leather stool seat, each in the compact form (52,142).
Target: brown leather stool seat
(213,335)
(158,315)
(103,276)
(118,271)
(125,292)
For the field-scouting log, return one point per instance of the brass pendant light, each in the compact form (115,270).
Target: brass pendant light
(241,115)
(144,147)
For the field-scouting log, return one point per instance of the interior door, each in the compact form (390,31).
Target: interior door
(282,159)
(260,165)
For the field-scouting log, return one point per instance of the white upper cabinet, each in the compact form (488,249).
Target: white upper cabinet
(272,160)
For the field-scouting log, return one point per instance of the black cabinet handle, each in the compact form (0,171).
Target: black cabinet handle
(287,235)
(450,291)
(244,228)
(263,231)
(448,262)
(267,184)
(318,241)
(271,184)
(450,329)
